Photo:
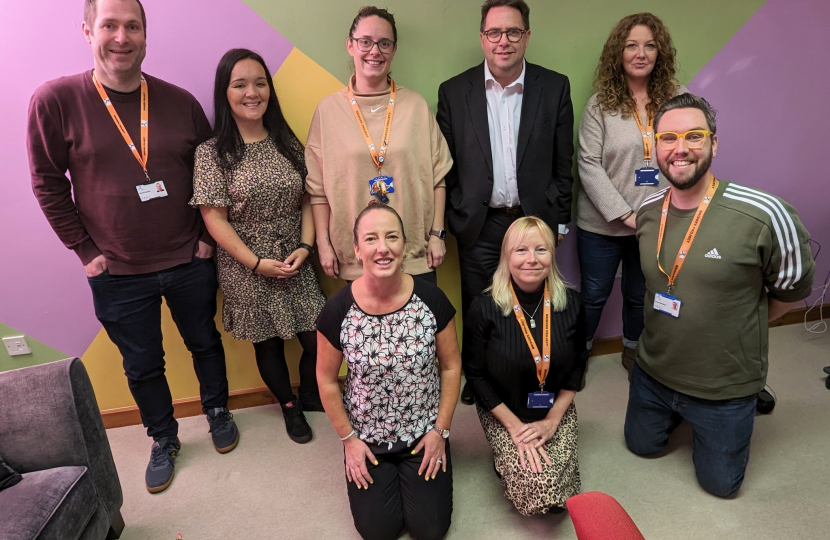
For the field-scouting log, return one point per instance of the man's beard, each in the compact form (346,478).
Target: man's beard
(700,171)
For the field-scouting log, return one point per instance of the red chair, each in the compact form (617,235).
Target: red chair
(597,516)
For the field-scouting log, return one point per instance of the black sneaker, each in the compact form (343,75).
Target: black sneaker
(159,473)
(310,402)
(223,429)
(765,401)
(295,423)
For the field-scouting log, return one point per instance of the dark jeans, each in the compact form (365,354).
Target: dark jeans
(722,430)
(129,308)
(399,497)
(479,262)
(599,258)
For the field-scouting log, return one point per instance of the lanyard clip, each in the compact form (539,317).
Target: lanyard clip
(670,289)
(542,387)
(147,176)
(648,163)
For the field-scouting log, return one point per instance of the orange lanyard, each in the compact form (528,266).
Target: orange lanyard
(543,360)
(690,234)
(377,157)
(145,113)
(647,131)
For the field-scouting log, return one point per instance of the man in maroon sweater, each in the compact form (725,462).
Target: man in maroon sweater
(127,141)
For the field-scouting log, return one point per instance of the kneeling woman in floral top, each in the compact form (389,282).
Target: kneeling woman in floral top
(396,409)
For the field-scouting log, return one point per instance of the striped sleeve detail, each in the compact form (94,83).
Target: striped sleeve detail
(791,269)
(657,195)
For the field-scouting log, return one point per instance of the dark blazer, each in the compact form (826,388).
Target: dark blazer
(544,149)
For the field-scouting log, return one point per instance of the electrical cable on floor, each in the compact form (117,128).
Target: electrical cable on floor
(820,326)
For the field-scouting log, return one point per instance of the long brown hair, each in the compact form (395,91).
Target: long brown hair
(610,84)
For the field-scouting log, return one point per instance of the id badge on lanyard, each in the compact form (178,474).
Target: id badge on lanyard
(381,185)
(648,175)
(540,399)
(150,190)
(666,302)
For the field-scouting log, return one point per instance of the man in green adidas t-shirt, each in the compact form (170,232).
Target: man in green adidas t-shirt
(720,260)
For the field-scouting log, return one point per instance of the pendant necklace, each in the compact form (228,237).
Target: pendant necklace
(532,320)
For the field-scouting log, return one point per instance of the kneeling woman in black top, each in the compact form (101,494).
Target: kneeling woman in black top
(398,403)
(524,354)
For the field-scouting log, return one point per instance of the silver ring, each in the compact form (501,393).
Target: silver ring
(439,461)
(527,452)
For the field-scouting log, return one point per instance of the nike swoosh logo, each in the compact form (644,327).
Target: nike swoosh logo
(376,109)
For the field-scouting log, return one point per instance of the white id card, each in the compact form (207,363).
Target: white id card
(667,304)
(151,191)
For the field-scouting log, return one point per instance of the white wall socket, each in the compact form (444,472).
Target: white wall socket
(16,345)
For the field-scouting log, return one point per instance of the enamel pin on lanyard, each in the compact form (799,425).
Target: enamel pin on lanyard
(648,175)
(380,185)
(665,302)
(150,189)
(540,399)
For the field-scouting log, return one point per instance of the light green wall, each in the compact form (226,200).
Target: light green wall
(41,353)
(439,38)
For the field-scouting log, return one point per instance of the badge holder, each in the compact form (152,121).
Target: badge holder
(540,399)
(380,186)
(154,190)
(668,304)
(647,176)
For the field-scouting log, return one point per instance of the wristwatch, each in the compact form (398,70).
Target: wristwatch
(440,233)
(442,432)
(306,247)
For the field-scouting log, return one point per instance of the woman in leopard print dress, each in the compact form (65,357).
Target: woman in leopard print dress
(533,432)
(248,184)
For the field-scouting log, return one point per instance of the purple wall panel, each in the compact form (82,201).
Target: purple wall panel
(769,85)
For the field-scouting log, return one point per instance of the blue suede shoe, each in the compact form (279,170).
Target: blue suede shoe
(159,473)
(223,430)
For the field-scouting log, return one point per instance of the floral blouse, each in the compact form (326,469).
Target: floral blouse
(393,384)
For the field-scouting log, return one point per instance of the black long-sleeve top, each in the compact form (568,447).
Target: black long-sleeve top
(499,364)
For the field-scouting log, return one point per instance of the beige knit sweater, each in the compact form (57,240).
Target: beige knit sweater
(610,150)
(340,167)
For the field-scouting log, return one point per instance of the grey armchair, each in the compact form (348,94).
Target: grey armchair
(51,432)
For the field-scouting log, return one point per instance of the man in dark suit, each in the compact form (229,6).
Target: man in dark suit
(509,126)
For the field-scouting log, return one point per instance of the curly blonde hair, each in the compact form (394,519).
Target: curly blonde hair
(610,84)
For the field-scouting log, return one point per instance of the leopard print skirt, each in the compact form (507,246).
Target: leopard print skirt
(535,493)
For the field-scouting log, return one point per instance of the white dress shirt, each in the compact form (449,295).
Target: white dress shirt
(504,112)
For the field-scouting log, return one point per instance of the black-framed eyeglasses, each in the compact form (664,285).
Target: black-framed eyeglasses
(366,44)
(513,35)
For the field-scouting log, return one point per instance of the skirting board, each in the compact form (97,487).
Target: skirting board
(254,397)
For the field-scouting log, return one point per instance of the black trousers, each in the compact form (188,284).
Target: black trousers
(400,498)
(270,359)
(479,262)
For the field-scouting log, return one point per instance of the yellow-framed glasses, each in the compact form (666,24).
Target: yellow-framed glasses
(667,140)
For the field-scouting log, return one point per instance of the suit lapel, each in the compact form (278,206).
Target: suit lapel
(532,93)
(477,103)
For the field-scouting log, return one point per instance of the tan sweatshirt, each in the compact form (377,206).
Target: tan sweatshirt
(340,167)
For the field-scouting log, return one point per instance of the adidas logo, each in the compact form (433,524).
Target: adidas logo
(713,254)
